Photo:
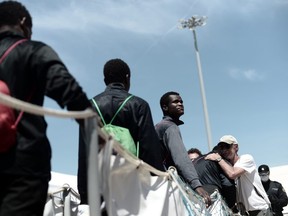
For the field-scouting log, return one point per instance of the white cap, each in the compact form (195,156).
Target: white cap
(229,139)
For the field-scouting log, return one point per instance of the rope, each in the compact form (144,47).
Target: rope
(34,109)
(38,110)
(136,161)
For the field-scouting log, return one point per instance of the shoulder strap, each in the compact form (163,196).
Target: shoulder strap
(258,193)
(122,105)
(100,114)
(6,53)
(98,110)
(10,49)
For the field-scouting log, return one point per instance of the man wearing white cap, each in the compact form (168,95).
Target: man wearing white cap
(250,191)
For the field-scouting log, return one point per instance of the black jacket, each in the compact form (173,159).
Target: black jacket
(136,116)
(33,70)
(212,177)
(276,195)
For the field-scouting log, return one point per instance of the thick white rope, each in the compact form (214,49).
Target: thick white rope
(38,110)
(136,161)
(34,109)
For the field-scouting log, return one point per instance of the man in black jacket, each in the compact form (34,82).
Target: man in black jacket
(213,177)
(135,115)
(31,70)
(275,191)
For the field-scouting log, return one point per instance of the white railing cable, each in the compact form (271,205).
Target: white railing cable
(136,161)
(38,110)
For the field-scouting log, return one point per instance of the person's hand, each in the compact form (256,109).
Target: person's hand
(212,156)
(203,193)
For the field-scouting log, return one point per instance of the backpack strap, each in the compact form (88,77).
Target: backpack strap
(122,105)
(6,53)
(98,110)
(119,109)
(10,49)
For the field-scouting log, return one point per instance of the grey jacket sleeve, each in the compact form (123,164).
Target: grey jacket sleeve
(173,141)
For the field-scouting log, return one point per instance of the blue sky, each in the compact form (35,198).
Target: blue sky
(243,49)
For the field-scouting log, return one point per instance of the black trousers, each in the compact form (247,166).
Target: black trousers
(266,212)
(22,195)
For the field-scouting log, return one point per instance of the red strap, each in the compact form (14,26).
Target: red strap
(6,53)
(10,49)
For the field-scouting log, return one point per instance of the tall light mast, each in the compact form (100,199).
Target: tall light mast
(191,24)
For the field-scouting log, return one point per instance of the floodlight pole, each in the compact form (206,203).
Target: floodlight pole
(191,24)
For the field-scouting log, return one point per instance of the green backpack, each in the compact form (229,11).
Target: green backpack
(121,134)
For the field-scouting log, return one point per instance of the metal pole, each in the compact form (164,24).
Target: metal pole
(205,109)
(191,24)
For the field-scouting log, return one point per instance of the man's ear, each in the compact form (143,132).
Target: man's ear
(127,82)
(22,21)
(26,30)
(165,108)
(105,81)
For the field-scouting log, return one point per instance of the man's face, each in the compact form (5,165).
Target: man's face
(227,151)
(175,106)
(264,176)
(193,156)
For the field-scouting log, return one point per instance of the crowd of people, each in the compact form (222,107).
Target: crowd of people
(34,69)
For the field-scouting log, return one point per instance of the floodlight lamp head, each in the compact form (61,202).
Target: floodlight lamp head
(193,22)
(198,20)
(182,24)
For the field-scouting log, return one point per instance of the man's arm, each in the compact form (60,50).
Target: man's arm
(182,162)
(230,171)
(173,140)
(59,83)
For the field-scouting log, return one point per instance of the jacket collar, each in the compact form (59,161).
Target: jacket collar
(10,34)
(119,86)
(176,121)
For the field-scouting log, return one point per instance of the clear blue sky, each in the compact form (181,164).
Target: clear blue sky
(243,49)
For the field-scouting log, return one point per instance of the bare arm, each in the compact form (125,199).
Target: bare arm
(230,171)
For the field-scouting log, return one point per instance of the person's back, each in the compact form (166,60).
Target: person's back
(135,116)
(212,177)
(32,70)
